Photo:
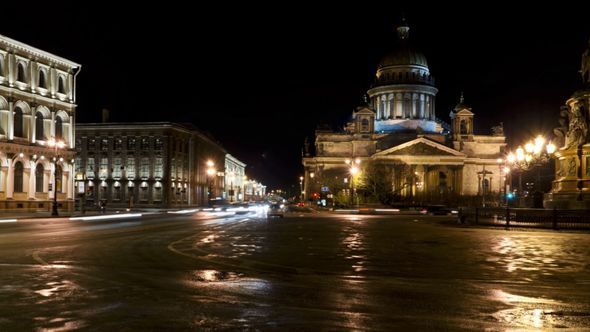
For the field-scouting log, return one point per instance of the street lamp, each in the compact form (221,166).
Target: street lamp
(210,173)
(534,153)
(56,145)
(353,170)
(301,188)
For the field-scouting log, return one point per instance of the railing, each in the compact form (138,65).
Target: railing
(532,218)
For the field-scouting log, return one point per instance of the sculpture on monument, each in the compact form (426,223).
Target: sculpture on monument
(578,127)
(572,169)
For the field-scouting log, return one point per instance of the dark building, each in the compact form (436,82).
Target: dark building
(153,164)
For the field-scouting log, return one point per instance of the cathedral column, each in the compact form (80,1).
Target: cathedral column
(398,106)
(423,115)
(388,106)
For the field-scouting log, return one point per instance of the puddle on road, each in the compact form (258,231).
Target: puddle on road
(536,312)
(215,276)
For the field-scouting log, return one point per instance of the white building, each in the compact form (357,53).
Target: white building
(397,137)
(235,173)
(37,104)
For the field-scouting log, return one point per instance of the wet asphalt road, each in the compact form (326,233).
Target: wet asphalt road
(303,272)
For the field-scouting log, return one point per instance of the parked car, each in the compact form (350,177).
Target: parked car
(276,209)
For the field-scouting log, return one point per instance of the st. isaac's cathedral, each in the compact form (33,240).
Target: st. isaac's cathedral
(396,139)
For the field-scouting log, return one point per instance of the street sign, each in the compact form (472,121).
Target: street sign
(325,189)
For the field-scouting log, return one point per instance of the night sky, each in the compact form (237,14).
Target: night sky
(261,78)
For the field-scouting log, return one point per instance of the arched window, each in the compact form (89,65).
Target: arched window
(58,176)
(18,177)
(42,79)
(39,130)
(58,128)
(364,125)
(61,88)
(20,72)
(39,178)
(18,122)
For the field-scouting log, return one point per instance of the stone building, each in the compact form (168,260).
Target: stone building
(37,106)
(153,164)
(397,138)
(235,175)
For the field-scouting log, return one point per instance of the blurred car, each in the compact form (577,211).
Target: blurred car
(440,210)
(277,210)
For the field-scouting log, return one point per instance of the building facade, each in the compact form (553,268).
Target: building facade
(37,108)
(235,175)
(156,164)
(396,141)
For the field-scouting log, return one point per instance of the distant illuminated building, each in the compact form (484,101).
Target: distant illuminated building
(37,104)
(148,164)
(397,132)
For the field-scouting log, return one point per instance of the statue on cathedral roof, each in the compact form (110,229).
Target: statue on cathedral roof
(498,130)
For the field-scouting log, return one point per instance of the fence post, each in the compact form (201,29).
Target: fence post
(476,216)
(507,217)
(554,218)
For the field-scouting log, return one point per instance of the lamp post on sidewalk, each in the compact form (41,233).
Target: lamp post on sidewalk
(353,170)
(301,193)
(56,145)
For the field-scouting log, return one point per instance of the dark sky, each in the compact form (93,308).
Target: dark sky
(260,78)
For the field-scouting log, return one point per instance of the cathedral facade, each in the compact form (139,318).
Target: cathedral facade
(396,142)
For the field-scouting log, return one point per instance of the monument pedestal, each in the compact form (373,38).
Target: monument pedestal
(571,188)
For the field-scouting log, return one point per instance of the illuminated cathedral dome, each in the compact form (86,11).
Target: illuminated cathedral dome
(403,93)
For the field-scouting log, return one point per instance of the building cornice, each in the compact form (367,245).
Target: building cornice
(402,88)
(52,58)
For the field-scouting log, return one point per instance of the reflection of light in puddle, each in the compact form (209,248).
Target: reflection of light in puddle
(214,275)
(525,253)
(55,287)
(529,313)
(208,239)
(230,280)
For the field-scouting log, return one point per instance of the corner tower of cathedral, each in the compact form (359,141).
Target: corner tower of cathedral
(403,94)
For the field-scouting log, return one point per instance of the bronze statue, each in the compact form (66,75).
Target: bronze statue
(578,127)
(561,131)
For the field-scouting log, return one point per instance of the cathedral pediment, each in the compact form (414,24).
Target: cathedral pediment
(420,147)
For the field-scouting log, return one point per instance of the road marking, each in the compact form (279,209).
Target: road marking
(38,258)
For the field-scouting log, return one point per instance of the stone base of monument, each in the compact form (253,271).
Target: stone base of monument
(567,201)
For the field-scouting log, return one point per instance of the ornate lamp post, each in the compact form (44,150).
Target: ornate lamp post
(56,145)
(534,153)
